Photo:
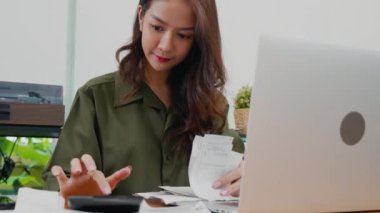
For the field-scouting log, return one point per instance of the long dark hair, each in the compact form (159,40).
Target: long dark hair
(196,83)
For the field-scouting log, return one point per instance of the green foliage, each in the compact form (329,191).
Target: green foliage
(31,155)
(243,97)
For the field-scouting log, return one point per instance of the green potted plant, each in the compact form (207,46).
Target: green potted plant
(242,103)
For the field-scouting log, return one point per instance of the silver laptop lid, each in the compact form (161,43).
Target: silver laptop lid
(314,129)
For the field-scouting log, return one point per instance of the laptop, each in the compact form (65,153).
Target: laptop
(313,141)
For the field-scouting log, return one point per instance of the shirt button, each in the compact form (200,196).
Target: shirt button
(168,158)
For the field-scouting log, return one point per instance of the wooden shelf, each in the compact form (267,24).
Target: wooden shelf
(31,120)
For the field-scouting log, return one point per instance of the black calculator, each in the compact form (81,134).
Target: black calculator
(112,203)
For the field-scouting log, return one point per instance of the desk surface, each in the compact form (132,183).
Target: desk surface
(47,201)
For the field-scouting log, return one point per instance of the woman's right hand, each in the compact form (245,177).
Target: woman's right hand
(86,179)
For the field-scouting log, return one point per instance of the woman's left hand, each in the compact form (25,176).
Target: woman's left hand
(230,183)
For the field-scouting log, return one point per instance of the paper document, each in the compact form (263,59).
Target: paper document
(168,198)
(197,207)
(41,201)
(211,158)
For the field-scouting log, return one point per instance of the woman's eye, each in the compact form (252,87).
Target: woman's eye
(157,28)
(184,36)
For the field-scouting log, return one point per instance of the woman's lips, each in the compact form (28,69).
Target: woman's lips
(162,59)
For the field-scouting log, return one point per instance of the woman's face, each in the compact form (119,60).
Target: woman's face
(167,33)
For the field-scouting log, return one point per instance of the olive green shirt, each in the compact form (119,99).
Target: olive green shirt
(117,133)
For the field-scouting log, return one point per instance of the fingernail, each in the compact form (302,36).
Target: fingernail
(54,171)
(106,190)
(217,184)
(130,168)
(224,192)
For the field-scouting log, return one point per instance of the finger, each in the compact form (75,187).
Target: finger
(89,162)
(234,175)
(232,190)
(118,176)
(76,168)
(101,181)
(57,172)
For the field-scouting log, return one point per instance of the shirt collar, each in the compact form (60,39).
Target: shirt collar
(144,94)
(122,89)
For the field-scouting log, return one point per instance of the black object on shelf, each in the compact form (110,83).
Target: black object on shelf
(30,93)
(31,110)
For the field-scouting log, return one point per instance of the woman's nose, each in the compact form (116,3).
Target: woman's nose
(166,42)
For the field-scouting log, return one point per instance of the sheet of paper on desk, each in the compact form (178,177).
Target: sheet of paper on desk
(168,198)
(197,207)
(41,201)
(179,190)
(211,158)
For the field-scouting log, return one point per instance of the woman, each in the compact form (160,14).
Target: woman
(167,90)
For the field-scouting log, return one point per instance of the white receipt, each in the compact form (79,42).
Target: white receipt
(211,158)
